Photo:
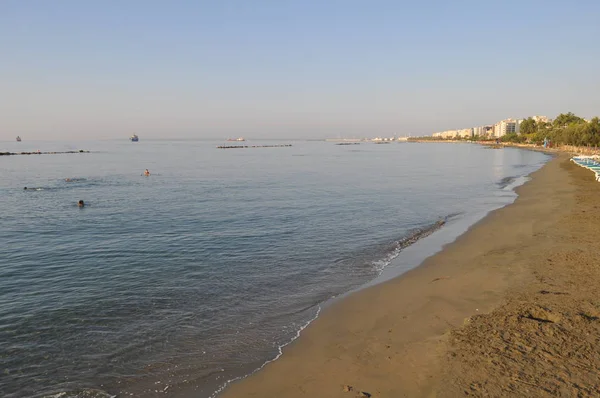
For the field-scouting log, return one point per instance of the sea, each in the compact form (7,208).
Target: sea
(178,283)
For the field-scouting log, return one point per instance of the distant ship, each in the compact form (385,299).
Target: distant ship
(134,138)
(18,139)
(236,139)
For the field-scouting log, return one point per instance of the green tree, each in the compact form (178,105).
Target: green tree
(528,126)
(543,126)
(511,137)
(594,131)
(564,119)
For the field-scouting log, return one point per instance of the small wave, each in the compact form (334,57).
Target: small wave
(84,393)
(453,215)
(76,183)
(503,183)
(514,183)
(412,238)
(279,354)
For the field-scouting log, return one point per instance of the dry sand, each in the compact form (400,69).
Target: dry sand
(511,308)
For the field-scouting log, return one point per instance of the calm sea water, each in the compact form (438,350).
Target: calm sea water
(175,283)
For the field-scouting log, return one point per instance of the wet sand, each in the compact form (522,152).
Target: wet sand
(511,308)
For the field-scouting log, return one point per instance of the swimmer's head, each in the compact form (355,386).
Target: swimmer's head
(80,203)
(25,188)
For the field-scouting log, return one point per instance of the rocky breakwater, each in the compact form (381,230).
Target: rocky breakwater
(252,146)
(41,153)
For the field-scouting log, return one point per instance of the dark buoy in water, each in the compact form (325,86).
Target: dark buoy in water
(80,203)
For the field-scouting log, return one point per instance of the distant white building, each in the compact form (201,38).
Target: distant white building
(497,130)
(544,119)
(506,126)
(448,134)
(465,133)
(480,131)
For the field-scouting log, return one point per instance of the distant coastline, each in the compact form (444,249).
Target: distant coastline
(571,149)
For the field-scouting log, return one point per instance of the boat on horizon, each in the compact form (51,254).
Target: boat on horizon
(236,139)
(18,139)
(134,138)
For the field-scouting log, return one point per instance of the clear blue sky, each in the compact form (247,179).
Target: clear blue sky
(302,69)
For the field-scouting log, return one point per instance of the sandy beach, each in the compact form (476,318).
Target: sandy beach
(511,308)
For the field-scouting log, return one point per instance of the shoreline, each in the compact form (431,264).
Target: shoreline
(344,348)
(419,237)
(445,232)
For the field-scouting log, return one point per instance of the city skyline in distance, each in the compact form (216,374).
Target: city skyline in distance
(291,71)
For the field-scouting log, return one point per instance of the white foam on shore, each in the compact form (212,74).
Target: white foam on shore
(279,354)
(517,182)
(455,226)
(85,393)
(415,236)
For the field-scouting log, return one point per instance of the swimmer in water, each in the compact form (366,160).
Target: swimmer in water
(80,203)
(146,172)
